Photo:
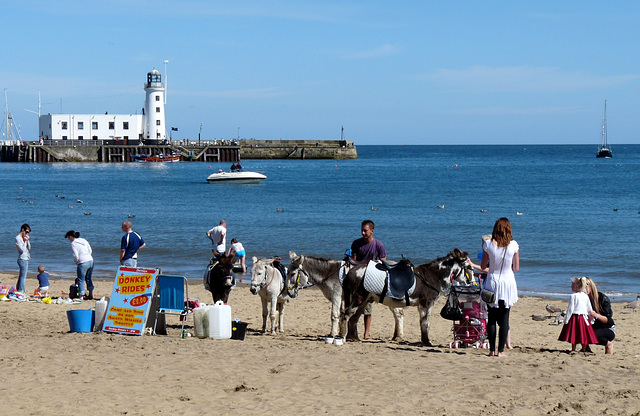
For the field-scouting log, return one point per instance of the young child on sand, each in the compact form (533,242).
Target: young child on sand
(43,282)
(577,326)
(238,249)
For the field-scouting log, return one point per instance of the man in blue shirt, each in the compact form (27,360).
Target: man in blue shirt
(131,244)
(365,249)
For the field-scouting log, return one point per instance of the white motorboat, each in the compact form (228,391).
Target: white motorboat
(236,177)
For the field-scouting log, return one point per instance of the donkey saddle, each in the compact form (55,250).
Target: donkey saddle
(395,281)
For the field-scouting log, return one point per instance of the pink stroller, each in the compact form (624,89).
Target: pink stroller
(470,331)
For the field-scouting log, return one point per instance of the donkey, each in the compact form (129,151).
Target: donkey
(268,281)
(219,279)
(432,279)
(323,273)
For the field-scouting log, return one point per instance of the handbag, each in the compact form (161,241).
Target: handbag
(452,310)
(488,296)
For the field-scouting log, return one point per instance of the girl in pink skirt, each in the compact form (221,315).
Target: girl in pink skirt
(577,326)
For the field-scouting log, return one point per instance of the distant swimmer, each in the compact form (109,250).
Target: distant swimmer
(441,206)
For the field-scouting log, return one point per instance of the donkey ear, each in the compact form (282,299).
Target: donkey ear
(254,259)
(293,256)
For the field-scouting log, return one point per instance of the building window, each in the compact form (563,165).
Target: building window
(80,125)
(126,138)
(64,137)
(112,125)
(157,98)
(157,109)
(94,125)
(95,137)
(64,125)
(157,135)
(80,137)
(125,125)
(157,122)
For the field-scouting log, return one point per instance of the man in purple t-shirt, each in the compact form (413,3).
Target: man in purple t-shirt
(365,249)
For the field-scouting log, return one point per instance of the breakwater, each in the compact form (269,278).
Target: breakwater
(298,149)
(110,151)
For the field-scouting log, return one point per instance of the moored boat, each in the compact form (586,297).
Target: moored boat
(604,151)
(157,158)
(236,177)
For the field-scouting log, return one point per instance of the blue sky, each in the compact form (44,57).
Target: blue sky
(410,72)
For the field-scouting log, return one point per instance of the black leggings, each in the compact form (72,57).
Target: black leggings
(604,335)
(500,316)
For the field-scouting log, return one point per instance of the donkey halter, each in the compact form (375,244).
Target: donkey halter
(266,274)
(298,270)
(466,269)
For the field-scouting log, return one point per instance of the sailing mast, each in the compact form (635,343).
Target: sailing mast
(8,122)
(604,126)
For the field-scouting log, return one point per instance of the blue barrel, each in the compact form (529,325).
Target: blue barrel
(81,320)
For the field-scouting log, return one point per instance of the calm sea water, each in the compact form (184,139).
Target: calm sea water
(567,197)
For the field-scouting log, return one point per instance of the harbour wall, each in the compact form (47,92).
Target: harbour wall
(110,151)
(298,149)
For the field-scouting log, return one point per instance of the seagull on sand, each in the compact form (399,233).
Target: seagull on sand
(634,305)
(552,309)
(539,317)
(559,318)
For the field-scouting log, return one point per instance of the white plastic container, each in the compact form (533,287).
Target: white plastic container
(219,321)
(101,312)
(201,321)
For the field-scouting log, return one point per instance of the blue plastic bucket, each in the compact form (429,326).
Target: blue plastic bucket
(81,320)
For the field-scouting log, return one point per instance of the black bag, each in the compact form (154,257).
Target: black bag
(452,310)
(488,296)
(73,292)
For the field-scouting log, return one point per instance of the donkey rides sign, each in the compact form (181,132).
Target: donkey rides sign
(130,300)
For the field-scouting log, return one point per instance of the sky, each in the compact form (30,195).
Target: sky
(407,72)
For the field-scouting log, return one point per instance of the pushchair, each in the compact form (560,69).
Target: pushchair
(471,330)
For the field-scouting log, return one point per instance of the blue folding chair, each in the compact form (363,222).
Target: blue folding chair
(173,292)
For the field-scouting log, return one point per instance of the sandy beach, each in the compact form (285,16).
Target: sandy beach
(47,370)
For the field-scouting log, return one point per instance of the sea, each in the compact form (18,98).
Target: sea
(571,214)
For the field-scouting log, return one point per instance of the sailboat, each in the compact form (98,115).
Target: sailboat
(603,150)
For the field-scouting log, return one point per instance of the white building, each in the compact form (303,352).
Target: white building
(150,125)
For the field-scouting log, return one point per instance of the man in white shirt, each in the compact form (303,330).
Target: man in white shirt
(218,237)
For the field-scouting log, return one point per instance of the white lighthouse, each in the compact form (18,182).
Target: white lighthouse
(154,127)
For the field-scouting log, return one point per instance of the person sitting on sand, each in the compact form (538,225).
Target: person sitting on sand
(603,326)
(43,282)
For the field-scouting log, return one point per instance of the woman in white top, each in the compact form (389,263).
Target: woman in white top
(500,253)
(81,250)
